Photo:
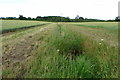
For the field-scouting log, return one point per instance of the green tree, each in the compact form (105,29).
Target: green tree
(22,18)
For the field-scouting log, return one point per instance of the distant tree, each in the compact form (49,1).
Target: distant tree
(38,17)
(2,17)
(77,17)
(29,18)
(110,20)
(81,18)
(22,18)
(10,18)
(33,18)
(117,18)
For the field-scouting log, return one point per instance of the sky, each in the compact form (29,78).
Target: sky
(97,9)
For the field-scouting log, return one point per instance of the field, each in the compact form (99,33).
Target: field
(12,25)
(60,50)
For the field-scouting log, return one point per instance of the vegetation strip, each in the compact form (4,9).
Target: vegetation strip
(16,57)
(15,29)
(68,54)
(63,50)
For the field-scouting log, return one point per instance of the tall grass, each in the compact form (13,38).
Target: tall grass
(67,54)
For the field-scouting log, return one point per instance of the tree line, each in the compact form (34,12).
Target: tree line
(59,19)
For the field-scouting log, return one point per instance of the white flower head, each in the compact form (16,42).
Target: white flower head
(100,43)
(58,50)
(102,39)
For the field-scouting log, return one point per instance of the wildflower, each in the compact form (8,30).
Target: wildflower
(58,50)
(100,43)
(102,39)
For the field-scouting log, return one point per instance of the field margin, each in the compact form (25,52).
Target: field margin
(119,41)
(0,51)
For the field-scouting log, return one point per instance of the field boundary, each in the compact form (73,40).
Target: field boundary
(16,29)
(0,51)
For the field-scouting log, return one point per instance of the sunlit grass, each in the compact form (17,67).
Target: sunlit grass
(64,50)
(11,24)
(58,60)
(110,26)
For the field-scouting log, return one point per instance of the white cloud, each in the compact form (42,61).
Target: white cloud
(100,9)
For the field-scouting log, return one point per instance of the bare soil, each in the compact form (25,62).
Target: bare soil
(16,55)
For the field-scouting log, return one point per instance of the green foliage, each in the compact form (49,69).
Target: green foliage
(67,42)
(59,19)
(22,18)
(57,61)
(117,18)
(53,19)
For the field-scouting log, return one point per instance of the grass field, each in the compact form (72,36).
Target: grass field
(62,50)
(12,24)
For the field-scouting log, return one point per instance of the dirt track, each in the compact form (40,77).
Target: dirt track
(15,55)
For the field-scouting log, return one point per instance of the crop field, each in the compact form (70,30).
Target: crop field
(18,24)
(60,50)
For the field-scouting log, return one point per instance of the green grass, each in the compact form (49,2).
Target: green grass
(110,26)
(59,59)
(65,50)
(11,24)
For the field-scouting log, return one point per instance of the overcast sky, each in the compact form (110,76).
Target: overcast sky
(98,9)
